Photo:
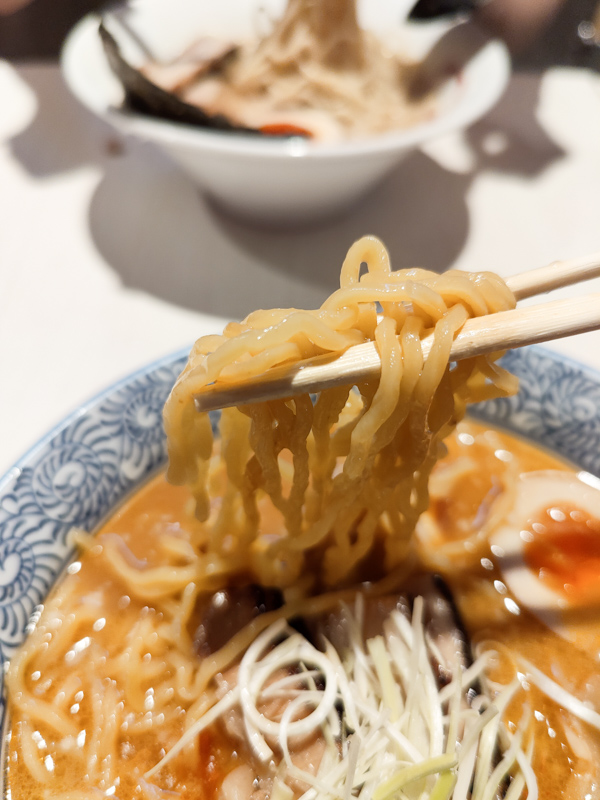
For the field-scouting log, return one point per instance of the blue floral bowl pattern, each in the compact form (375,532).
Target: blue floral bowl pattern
(85,467)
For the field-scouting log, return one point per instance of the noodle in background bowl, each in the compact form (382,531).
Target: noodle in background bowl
(81,471)
(282,181)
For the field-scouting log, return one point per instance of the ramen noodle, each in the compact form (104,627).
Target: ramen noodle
(277,632)
(347,476)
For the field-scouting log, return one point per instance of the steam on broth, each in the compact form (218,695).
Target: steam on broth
(331,602)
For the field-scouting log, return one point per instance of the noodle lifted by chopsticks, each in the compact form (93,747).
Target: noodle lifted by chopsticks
(346,474)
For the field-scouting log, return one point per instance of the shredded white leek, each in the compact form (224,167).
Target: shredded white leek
(224,704)
(400,737)
(430,766)
(561,696)
(444,786)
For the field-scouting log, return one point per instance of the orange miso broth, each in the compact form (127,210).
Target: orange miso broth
(526,603)
(127,654)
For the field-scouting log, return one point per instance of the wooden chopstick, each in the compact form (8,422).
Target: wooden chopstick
(554,276)
(502,331)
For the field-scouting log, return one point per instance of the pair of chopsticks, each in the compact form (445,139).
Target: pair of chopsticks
(502,331)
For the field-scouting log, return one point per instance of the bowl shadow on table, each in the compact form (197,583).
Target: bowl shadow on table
(163,237)
(187,252)
(509,138)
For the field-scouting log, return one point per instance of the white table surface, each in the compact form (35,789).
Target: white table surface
(111,258)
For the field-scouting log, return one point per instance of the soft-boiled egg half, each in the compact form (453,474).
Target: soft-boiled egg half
(548,550)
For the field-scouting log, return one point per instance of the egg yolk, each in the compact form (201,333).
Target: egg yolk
(563,547)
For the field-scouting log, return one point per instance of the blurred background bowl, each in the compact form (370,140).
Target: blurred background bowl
(270,180)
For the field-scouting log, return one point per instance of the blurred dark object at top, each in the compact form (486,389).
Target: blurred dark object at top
(37,31)
(541,33)
(425,9)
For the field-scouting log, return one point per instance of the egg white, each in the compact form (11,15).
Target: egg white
(535,493)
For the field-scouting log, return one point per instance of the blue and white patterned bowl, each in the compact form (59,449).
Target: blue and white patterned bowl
(78,473)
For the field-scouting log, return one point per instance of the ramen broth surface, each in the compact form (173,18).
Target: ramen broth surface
(89,687)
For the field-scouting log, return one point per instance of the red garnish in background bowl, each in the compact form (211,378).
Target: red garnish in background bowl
(285,129)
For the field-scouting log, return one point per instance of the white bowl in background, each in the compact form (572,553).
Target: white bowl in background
(273,180)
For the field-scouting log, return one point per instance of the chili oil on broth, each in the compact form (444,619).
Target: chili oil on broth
(83,722)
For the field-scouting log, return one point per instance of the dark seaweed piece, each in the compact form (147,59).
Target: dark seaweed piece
(145,97)
(301,625)
(446,629)
(443,625)
(445,591)
(225,613)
